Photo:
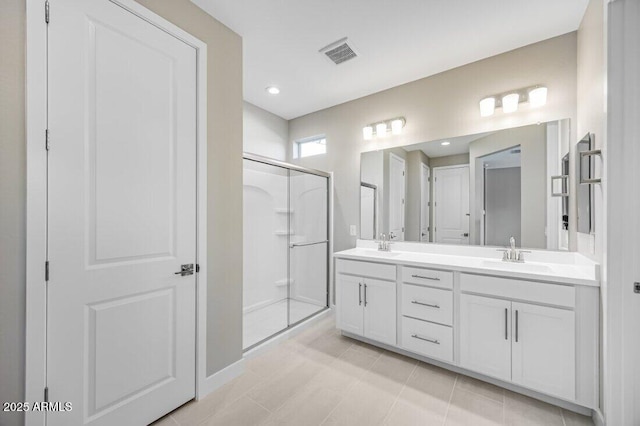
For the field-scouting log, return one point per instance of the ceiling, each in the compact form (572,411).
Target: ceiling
(458,145)
(397,42)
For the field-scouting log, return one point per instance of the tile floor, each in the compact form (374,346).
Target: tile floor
(268,320)
(322,378)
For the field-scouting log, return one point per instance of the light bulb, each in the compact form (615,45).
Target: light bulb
(367,133)
(487,107)
(381,129)
(396,126)
(510,102)
(538,97)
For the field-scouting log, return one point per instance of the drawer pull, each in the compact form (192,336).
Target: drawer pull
(415,336)
(425,304)
(425,278)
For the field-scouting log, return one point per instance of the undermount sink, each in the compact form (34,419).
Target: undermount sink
(516,267)
(378,253)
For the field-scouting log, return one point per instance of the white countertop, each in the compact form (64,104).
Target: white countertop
(557,267)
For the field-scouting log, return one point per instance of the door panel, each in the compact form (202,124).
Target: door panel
(308,248)
(544,350)
(380,310)
(396,197)
(485,335)
(350,303)
(452,205)
(122,218)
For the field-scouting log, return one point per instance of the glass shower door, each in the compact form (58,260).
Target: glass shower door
(308,245)
(265,251)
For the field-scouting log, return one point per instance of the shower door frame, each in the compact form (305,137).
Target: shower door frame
(329,176)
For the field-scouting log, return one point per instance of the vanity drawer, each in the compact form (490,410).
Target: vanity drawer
(430,277)
(380,271)
(426,303)
(509,288)
(428,339)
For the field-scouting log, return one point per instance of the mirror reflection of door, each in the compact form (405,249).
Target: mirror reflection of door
(451,202)
(502,196)
(368,219)
(396,197)
(424,202)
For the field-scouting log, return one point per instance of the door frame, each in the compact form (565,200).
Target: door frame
(434,200)
(425,169)
(36,256)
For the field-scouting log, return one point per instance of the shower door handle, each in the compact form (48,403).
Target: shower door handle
(293,245)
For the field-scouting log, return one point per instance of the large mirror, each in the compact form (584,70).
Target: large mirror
(479,189)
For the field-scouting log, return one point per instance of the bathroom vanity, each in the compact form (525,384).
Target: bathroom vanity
(531,327)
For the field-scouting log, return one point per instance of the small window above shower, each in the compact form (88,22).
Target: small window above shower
(308,147)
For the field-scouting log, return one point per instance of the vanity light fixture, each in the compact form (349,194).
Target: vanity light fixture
(538,96)
(487,106)
(509,101)
(381,128)
(272,90)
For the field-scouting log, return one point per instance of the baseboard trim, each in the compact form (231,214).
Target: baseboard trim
(222,377)
(598,418)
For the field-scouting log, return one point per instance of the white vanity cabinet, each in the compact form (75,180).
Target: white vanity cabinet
(533,332)
(524,343)
(366,305)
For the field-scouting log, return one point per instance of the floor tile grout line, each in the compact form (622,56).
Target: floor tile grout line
(404,385)
(453,388)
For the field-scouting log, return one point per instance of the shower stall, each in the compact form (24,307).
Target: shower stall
(286,246)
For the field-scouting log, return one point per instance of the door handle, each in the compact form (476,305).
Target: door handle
(466,234)
(506,326)
(365,295)
(185,270)
(359,294)
(516,326)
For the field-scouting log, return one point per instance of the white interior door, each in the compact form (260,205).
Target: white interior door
(424,203)
(451,198)
(396,197)
(122,216)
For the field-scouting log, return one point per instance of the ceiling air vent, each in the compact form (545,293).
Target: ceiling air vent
(339,51)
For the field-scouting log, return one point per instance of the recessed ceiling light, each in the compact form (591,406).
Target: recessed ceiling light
(445,143)
(273,90)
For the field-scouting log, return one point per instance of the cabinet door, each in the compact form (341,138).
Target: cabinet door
(350,303)
(544,349)
(485,335)
(380,310)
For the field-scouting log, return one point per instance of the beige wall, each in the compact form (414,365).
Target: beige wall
(437,107)
(264,133)
(591,94)
(224,238)
(12,205)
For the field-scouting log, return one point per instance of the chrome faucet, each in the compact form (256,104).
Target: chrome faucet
(384,243)
(512,254)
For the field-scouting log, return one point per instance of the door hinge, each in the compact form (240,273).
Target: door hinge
(636,287)
(197,268)
(46,11)
(402,173)
(46,394)
(428,203)
(46,270)
(402,229)
(46,139)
